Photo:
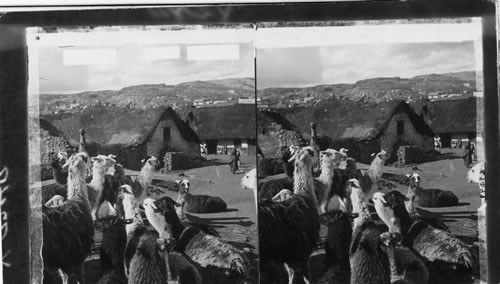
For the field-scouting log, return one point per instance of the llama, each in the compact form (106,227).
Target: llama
(289,230)
(110,218)
(405,265)
(147,265)
(198,203)
(445,253)
(330,160)
(220,262)
(60,175)
(100,165)
(337,241)
(366,178)
(369,262)
(473,175)
(427,197)
(68,229)
(178,266)
(141,182)
(82,148)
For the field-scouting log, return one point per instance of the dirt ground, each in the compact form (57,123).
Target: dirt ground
(447,173)
(238,225)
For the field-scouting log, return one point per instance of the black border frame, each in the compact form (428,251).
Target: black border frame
(13,105)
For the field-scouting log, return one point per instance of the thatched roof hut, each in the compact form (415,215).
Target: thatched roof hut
(226,122)
(110,125)
(449,116)
(348,119)
(131,134)
(364,127)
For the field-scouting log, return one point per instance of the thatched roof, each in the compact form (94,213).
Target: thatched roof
(348,119)
(227,122)
(110,125)
(449,116)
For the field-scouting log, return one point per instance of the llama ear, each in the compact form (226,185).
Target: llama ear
(373,154)
(408,175)
(177,181)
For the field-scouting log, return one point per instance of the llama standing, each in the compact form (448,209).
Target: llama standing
(369,262)
(330,160)
(100,165)
(140,184)
(68,229)
(289,230)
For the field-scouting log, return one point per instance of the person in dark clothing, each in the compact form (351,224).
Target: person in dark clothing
(467,156)
(233,161)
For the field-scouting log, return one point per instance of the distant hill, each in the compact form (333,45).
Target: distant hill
(380,89)
(152,95)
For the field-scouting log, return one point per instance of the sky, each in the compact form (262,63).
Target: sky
(71,68)
(285,57)
(315,65)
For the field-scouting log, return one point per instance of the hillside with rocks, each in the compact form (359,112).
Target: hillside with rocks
(152,95)
(378,89)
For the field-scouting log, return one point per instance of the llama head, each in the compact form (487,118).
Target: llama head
(474,174)
(102,161)
(390,239)
(382,155)
(302,157)
(62,156)
(162,214)
(414,180)
(283,195)
(184,185)
(249,180)
(333,156)
(77,163)
(385,211)
(356,195)
(151,161)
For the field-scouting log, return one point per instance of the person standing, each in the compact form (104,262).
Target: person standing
(467,156)
(233,161)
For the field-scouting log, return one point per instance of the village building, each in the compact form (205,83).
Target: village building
(225,128)
(130,134)
(454,121)
(364,127)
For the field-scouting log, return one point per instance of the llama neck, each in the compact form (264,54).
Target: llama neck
(97,181)
(167,266)
(411,195)
(131,212)
(176,227)
(77,188)
(327,171)
(392,261)
(375,169)
(358,206)
(303,181)
(146,175)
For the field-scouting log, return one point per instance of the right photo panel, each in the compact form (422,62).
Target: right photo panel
(370,152)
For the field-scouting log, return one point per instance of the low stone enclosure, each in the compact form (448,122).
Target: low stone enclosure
(174,161)
(407,155)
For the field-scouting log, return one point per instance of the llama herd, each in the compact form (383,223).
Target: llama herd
(375,234)
(146,237)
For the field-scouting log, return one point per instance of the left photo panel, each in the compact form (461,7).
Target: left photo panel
(141,152)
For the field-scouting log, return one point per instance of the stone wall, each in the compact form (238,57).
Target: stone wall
(410,155)
(174,161)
